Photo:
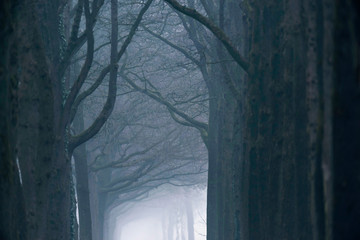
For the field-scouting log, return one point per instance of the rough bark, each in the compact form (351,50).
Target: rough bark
(298,46)
(36,127)
(82,184)
(218,32)
(12,209)
(284,165)
(346,119)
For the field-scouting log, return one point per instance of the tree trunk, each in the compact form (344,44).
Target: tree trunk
(94,206)
(284,166)
(346,119)
(82,188)
(82,182)
(225,134)
(59,195)
(12,208)
(36,126)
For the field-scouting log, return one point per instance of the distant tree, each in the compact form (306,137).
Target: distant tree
(131,161)
(272,119)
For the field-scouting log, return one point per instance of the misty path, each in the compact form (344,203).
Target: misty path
(162,216)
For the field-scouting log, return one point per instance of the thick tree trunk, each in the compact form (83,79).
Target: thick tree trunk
(12,209)
(46,170)
(82,188)
(36,126)
(289,162)
(225,135)
(35,134)
(82,183)
(59,219)
(346,122)
(282,123)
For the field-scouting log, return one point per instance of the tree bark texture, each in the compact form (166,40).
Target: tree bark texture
(12,207)
(82,183)
(225,136)
(284,153)
(30,119)
(41,148)
(35,138)
(346,119)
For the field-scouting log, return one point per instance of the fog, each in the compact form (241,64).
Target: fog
(117,117)
(162,216)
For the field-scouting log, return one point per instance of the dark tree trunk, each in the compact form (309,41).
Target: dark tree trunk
(225,133)
(33,131)
(82,189)
(82,182)
(346,122)
(35,141)
(12,208)
(275,172)
(285,165)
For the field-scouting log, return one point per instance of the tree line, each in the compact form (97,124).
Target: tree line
(280,125)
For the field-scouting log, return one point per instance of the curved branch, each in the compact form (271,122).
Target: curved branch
(88,91)
(84,70)
(134,27)
(76,42)
(157,177)
(115,57)
(185,53)
(73,40)
(202,127)
(215,30)
(120,162)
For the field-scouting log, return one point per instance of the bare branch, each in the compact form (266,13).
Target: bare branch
(183,51)
(115,57)
(156,178)
(121,162)
(215,30)
(202,127)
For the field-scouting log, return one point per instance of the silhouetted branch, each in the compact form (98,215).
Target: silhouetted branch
(215,30)
(115,57)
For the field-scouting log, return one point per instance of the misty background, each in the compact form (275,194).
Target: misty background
(179,120)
